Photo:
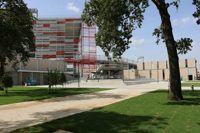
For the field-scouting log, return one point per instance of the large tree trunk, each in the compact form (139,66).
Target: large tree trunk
(175,92)
(2,67)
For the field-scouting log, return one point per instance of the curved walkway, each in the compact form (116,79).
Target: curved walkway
(24,114)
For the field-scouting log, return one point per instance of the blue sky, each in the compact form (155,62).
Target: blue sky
(143,42)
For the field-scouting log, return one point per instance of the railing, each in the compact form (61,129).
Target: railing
(125,60)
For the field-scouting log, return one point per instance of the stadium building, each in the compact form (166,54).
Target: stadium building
(68,45)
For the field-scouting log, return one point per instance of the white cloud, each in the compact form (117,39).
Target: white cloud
(194,43)
(186,19)
(137,41)
(183,21)
(72,7)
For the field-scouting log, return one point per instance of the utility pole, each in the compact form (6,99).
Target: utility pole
(78,76)
(78,63)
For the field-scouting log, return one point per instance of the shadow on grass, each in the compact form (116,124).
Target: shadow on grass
(190,98)
(41,93)
(191,93)
(23,94)
(189,102)
(159,91)
(100,122)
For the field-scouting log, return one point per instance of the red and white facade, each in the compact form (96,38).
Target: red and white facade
(66,39)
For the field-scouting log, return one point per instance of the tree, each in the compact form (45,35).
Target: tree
(52,78)
(116,19)
(55,78)
(63,78)
(16,33)
(7,82)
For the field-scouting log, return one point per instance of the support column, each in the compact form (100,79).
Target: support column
(20,78)
(41,78)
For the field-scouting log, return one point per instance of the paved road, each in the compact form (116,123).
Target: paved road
(20,115)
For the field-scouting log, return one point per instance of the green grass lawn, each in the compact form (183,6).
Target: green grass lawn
(21,94)
(149,113)
(190,83)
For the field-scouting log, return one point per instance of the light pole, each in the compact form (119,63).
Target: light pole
(139,58)
(157,71)
(78,76)
(78,61)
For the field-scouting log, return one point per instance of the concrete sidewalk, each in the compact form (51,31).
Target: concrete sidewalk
(25,114)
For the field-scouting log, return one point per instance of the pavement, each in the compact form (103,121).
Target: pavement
(19,115)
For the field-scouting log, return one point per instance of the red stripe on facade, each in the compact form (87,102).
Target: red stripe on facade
(51,42)
(34,22)
(76,40)
(60,22)
(48,56)
(82,61)
(46,25)
(72,19)
(60,53)
(60,33)
(42,45)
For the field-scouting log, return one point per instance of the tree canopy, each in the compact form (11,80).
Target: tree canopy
(16,32)
(116,20)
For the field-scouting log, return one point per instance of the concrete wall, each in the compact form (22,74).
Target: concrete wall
(182,63)
(31,65)
(184,73)
(166,74)
(129,74)
(35,69)
(161,77)
(36,64)
(148,65)
(144,74)
(192,63)
(140,66)
(43,65)
(160,70)
(154,74)
(154,65)
(162,64)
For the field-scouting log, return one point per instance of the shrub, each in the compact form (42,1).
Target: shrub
(62,78)
(7,82)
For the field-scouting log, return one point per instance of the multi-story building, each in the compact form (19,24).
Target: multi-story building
(67,39)
(66,44)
